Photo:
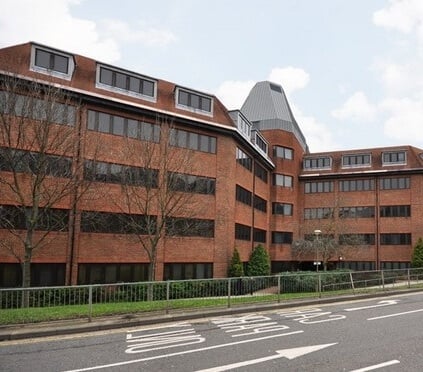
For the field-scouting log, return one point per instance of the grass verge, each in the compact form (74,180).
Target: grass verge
(45,314)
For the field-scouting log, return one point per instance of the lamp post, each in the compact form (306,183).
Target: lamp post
(316,234)
(340,259)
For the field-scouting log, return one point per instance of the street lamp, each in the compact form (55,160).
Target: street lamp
(317,262)
(340,259)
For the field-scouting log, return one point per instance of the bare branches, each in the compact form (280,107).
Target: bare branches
(333,239)
(38,164)
(162,190)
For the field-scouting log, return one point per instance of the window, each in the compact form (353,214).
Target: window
(324,162)
(260,142)
(10,275)
(242,195)
(319,186)
(260,172)
(127,83)
(281,237)
(260,204)
(259,235)
(318,213)
(282,208)
(283,152)
(102,273)
(395,183)
(243,159)
(356,212)
(244,126)
(18,218)
(358,265)
(52,112)
(323,237)
(12,160)
(356,160)
(356,185)
(357,239)
(176,226)
(186,271)
(47,274)
(52,62)
(193,141)
(242,232)
(282,180)
(395,239)
(121,174)
(117,223)
(189,183)
(275,88)
(121,126)
(388,265)
(395,211)
(194,101)
(394,158)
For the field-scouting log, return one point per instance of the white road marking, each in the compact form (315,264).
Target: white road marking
(397,314)
(286,353)
(161,356)
(311,316)
(380,304)
(164,340)
(377,366)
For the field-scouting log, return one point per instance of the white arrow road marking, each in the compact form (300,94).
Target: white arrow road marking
(380,304)
(377,366)
(286,353)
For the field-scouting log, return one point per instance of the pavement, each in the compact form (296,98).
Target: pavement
(83,325)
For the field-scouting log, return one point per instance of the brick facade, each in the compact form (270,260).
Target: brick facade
(85,256)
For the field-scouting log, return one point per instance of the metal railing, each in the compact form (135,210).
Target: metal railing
(164,296)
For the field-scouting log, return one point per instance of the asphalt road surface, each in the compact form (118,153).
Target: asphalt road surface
(384,334)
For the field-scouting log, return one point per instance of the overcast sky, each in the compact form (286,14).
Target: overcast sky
(352,69)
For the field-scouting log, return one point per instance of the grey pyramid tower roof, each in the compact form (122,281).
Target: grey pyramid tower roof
(267,108)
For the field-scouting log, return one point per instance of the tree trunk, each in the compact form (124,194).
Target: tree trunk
(151,278)
(26,273)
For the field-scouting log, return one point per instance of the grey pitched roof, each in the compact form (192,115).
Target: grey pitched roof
(267,108)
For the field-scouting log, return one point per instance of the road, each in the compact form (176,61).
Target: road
(384,334)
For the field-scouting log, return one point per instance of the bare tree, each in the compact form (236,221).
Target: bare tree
(39,164)
(161,198)
(326,238)
(322,248)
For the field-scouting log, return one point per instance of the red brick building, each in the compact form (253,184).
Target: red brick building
(248,173)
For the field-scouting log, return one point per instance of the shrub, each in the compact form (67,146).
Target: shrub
(417,258)
(259,263)
(236,268)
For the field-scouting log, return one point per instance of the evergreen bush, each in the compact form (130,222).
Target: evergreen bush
(259,263)
(417,258)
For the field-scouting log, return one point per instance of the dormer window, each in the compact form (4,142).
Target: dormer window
(394,158)
(356,160)
(244,126)
(126,83)
(322,162)
(259,141)
(193,101)
(52,62)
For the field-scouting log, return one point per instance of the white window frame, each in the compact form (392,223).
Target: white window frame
(190,108)
(387,164)
(46,71)
(129,93)
(318,168)
(366,165)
